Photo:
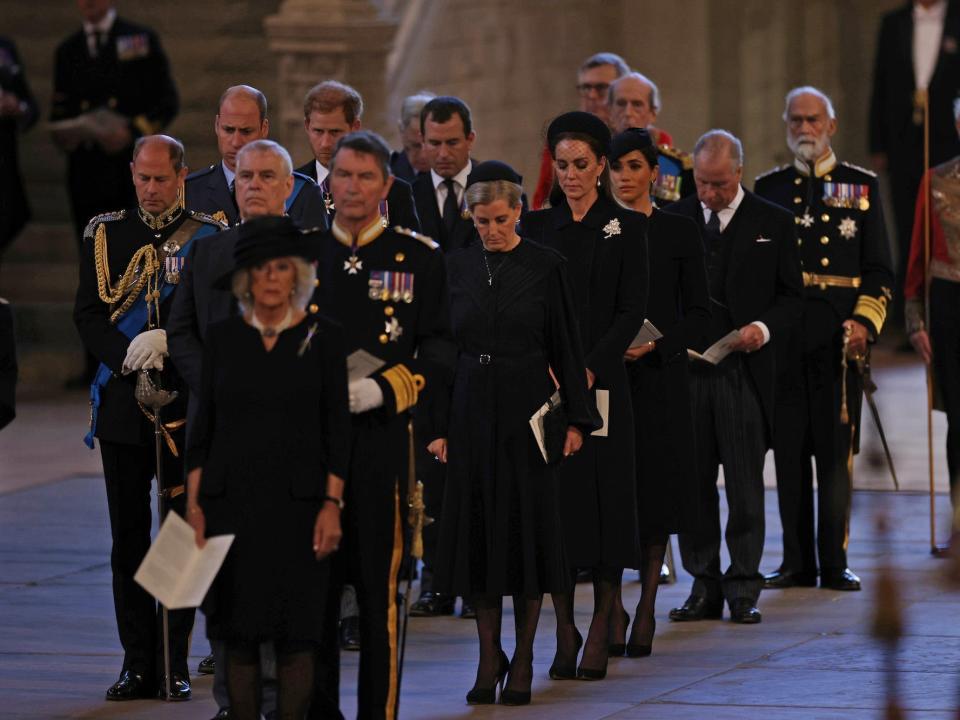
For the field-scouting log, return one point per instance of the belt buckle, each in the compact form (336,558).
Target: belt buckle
(485,359)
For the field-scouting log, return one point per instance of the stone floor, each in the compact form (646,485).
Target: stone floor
(812,657)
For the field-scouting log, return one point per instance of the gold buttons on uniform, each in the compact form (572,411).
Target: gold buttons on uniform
(314,308)
(825,217)
(388,310)
(796,220)
(824,239)
(828,178)
(825,261)
(399,257)
(384,339)
(799,241)
(797,181)
(316,282)
(797,200)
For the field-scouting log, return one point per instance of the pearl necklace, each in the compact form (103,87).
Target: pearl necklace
(269,331)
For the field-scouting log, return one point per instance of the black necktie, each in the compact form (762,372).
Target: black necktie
(232,187)
(451,208)
(713,224)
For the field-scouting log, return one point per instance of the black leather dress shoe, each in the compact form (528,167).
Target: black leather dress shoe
(433,604)
(350,633)
(222,714)
(207,666)
(744,611)
(179,688)
(467,610)
(781,579)
(696,607)
(843,580)
(130,686)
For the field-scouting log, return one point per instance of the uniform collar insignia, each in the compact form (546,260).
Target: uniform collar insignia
(162,220)
(824,165)
(370,233)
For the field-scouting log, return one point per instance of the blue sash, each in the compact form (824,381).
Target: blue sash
(298,182)
(130,325)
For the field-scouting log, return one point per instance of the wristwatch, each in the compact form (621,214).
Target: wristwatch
(335,500)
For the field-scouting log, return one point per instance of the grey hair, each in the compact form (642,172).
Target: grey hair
(268,146)
(654,90)
(302,289)
(412,106)
(716,141)
(808,90)
(606,58)
(484,193)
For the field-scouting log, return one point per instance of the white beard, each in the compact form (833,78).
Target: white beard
(807,147)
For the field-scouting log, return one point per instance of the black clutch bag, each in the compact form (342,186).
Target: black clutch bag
(554,429)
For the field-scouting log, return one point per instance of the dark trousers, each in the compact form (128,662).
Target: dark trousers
(945,339)
(129,471)
(729,430)
(369,559)
(808,426)
(430,473)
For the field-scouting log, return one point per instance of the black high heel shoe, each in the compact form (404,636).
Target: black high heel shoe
(566,671)
(584,673)
(488,696)
(618,649)
(635,651)
(516,697)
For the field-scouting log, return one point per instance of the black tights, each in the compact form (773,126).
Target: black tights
(295,665)
(606,586)
(526,614)
(652,553)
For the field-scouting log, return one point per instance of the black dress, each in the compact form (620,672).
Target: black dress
(679,306)
(501,526)
(271,425)
(606,253)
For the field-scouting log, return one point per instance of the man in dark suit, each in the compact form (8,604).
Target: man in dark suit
(130,269)
(411,159)
(448,137)
(848,280)
(242,118)
(755,288)
(332,110)
(918,56)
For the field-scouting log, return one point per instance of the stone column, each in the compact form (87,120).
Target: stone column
(345,40)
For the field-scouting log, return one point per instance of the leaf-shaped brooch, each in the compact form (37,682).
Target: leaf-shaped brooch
(611,228)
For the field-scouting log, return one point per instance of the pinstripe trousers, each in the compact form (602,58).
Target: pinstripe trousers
(729,430)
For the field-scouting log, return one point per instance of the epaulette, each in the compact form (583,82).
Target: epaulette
(219,218)
(419,237)
(102,218)
(772,171)
(850,165)
(684,158)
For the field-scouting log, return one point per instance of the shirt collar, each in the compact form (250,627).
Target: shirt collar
(821,167)
(322,172)
(103,26)
(370,233)
(732,207)
(460,178)
(228,173)
(937,11)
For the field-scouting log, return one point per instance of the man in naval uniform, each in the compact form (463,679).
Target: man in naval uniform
(130,267)
(848,279)
(387,287)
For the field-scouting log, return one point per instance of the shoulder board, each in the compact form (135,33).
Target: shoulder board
(218,218)
(419,237)
(686,159)
(201,173)
(850,165)
(772,171)
(102,218)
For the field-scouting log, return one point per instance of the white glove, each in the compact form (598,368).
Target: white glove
(365,395)
(146,351)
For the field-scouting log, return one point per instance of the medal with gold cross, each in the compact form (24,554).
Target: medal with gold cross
(848,228)
(353,264)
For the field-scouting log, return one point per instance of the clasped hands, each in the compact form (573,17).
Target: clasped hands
(572,444)
(146,352)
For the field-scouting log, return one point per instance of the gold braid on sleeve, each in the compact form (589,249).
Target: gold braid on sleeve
(141,272)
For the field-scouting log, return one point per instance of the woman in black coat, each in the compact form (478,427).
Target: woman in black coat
(513,321)
(679,307)
(606,252)
(266,462)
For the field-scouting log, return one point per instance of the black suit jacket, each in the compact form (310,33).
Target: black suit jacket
(401,167)
(425,197)
(763,280)
(207,191)
(892,129)
(400,208)
(14,209)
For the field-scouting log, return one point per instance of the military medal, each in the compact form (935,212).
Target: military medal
(353,264)
(328,203)
(384,214)
(173,264)
(392,329)
(806,219)
(848,228)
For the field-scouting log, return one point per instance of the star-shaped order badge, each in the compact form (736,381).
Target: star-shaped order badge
(848,228)
(806,219)
(393,329)
(352,264)
(611,228)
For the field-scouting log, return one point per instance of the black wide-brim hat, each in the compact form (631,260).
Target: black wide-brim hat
(580,122)
(492,170)
(629,140)
(266,238)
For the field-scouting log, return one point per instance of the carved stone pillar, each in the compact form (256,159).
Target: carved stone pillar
(345,40)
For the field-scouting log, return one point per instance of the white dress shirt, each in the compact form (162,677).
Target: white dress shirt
(228,173)
(322,172)
(726,215)
(459,185)
(927,33)
(103,27)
